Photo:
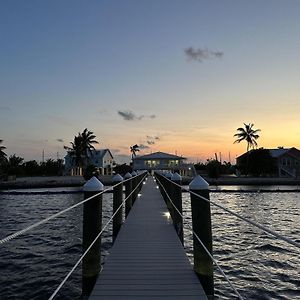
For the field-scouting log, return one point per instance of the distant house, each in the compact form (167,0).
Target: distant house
(286,160)
(162,161)
(101,159)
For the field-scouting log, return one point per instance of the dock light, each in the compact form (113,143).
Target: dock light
(144,182)
(139,195)
(157,187)
(167,215)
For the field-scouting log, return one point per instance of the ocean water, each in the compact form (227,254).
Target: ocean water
(259,266)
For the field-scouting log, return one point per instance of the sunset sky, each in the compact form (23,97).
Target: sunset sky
(178,76)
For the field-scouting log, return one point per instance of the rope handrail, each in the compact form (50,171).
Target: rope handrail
(22,231)
(91,245)
(206,250)
(263,228)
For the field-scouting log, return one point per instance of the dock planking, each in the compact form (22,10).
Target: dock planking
(147,260)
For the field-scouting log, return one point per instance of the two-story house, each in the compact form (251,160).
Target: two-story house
(162,161)
(102,159)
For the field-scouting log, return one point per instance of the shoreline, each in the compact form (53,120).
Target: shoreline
(78,181)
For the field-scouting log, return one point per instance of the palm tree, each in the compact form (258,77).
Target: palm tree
(133,150)
(75,151)
(247,134)
(82,147)
(88,139)
(2,153)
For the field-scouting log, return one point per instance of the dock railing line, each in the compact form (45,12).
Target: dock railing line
(263,228)
(94,241)
(199,240)
(23,231)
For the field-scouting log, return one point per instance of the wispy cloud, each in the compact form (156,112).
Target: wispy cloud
(60,140)
(151,140)
(201,54)
(128,115)
(143,146)
(5,108)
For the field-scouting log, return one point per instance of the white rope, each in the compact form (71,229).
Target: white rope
(91,245)
(218,266)
(21,232)
(206,250)
(279,236)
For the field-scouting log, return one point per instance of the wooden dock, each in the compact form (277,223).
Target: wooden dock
(147,260)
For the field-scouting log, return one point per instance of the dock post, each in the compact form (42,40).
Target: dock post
(117,201)
(177,200)
(128,190)
(201,218)
(134,184)
(92,225)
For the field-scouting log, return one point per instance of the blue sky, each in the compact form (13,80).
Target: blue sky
(67,65)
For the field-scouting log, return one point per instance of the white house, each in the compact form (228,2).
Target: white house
(101,159)
(162,161)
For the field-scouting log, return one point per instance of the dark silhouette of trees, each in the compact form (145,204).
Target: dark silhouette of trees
(122,169)
(13,165)
(2,153)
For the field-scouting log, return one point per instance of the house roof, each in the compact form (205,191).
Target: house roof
(99,152)
(277,152)
(102,152)
(159,155)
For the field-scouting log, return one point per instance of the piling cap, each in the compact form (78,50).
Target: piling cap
(176,177)
(93,185)
(127,175)
(133,173)
(198,183)
(117,178)
(169,175)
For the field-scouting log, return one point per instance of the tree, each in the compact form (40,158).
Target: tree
(75,151)
(133,150)
(31,168)
(2,153)
(213,168)
(13,165)
(122,169)
(88,139)
(247,134)
(81,148)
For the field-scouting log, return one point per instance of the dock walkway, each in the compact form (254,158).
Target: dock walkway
(147,260)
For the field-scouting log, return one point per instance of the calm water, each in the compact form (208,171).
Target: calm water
(260,267)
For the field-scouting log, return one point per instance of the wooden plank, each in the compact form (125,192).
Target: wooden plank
(147,260)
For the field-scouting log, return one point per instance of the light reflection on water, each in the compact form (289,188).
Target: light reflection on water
(260,266)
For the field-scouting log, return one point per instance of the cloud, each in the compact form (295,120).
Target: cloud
(60,140)
(156,137)
(128,115)
(151,140)
(201,54)
(142,146)
(5,108)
